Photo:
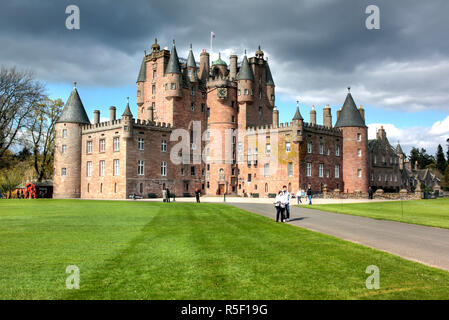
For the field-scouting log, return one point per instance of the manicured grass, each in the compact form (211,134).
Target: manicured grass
(431,212)
(143,250)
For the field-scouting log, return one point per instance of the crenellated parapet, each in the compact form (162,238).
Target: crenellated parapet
(317,128)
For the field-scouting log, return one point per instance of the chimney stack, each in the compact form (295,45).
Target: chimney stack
(338,113)
(275,117)
(313,116)
(96,116)
(233,67)
(204,65)
(362,113)
(112,111)
(327,116)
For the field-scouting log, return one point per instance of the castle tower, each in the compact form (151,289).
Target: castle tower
(269,84)
(298,124)
(401,156)
(355,147)
(245,93)
(67,162)
(127,121)
(173,77)
(222,123)
(192,73)
(275,117)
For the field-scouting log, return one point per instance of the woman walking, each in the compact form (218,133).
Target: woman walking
(279,204)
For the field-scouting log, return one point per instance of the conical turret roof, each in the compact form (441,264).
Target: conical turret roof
(399,149)
(143,71)
(268,77)
(127,112)
(245,72)
(191,59)
(349,115)
(74,111)
(173,62)
(297,115)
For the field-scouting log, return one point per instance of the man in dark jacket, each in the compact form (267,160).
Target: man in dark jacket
(309,194)
(197,195)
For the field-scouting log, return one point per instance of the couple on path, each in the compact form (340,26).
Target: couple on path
(282,205)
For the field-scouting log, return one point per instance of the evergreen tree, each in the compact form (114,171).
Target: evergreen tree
(445,182)
(440,159)
(413,157)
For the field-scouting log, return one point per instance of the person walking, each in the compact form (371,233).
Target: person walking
(280,206)
(309,195)
(164,195)
(197,195)
(370,193)
(168,195)
(298,196)
(287,203)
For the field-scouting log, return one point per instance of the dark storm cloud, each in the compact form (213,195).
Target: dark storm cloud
(316,47)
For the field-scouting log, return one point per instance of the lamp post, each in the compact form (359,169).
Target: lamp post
(226,190)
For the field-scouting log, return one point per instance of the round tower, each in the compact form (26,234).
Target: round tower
(127,121)
(245,84)
(67,161)
(173,76)
(355,147)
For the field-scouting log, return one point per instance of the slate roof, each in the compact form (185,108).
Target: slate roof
(74,111)
(349,115)
(245,72)
(127,111)
(143,71)
(173,62)
(191,59)
(297,115)
(268,77)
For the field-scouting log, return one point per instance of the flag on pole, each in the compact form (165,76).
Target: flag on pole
(212,34)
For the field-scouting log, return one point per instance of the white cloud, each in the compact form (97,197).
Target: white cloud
(440,127)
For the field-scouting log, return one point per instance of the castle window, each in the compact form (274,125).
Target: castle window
(272,97)
(101,188)
(203,173)
(140,188)
(260,95)
(116,144)
(208,112)
(143,110)
(63,149)
(115,187)
(260,111)
(266,187)
(328,151)
(309,169)
(255,187)
(138,93)
(172,86)
(321,170)
(359,137)
(163,168)
(140,144)
(89,168)
(327,173)
(337,171)
(321,148)
(154,74)
(164,146)
(290,169)
(372,176)
(116,167)
(383,159)
(89,147)
(233,104)
(287,146)
(359,152)
(246,92)
(153,89)
(208,185)
(375,159)
(64,133)
(192,91)
(192,106)
(379,177)
(337,150)
(239,92)
(102,145)
(102,168)
(192,171)
(63,172)
(266,170)
(268,148)
(309,147)
(395,178)
(359,173)
(249,177)
(182,172)
(232,119)
(203,107)
(140,167)
(88,187)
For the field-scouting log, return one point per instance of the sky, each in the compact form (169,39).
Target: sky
(316,49)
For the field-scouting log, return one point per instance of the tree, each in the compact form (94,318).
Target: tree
(413,157)
(447,154)
(445,183)
(19,93)
(41,135)
(10,180)
(440,159)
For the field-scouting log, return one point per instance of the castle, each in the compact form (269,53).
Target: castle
(241,147)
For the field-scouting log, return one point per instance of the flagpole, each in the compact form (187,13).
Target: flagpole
(211,41)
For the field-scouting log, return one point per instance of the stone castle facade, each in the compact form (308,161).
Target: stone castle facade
(235,143)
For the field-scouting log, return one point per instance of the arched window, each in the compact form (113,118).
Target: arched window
(141,188)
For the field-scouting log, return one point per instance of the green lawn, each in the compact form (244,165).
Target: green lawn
(431,212)
(143,250)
